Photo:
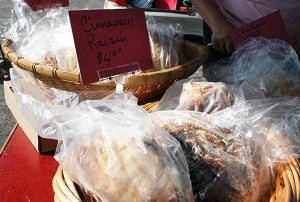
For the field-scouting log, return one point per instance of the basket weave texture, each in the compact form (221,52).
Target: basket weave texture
(286,184)
(286,187)
(144,86)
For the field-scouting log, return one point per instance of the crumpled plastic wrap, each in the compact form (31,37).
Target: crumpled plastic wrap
(196,94)
(273,122)
(261,68)
(50,41)
(221,163)
(20,22)
(20,18)
(165,46)
(108,146)
(231,153)
(45,36)
(112,150)
(39,102)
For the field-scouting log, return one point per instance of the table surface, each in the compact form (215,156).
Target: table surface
(25,175)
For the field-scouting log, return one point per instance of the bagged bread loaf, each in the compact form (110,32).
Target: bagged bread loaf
(165,44)
(260,68)
(196,94)
(223,164)
(273,122)
(111,149)
(50,41)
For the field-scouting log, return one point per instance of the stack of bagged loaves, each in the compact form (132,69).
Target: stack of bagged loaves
(232,140)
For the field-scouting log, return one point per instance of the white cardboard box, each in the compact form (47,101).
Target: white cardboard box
(42,145)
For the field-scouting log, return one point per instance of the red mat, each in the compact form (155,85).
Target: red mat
(25,175)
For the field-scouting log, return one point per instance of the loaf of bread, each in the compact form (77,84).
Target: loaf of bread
(223,165)
(126,171)
(205,97)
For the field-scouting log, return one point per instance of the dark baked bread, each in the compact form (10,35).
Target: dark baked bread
(221,164)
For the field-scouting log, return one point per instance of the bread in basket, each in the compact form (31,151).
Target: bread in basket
(144,86)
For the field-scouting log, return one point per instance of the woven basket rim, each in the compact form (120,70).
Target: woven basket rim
(287,187)
(286,183)
(68,76)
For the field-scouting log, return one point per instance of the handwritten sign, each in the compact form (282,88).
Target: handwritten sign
(105,39)
(270,26)
(43,4)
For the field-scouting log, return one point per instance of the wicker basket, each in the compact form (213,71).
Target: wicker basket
(286,186)
(144,85)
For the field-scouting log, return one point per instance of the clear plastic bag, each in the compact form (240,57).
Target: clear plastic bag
(224,165)
(231,153)
(112,150)
(39,102)
(50,42)
(18,20)
(196,94)
(21,17)
(165,45)
(260,68)
(272,122)
(21,21)
(43,36)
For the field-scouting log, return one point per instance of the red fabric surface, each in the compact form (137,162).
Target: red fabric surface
(166,4)
(25,175)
